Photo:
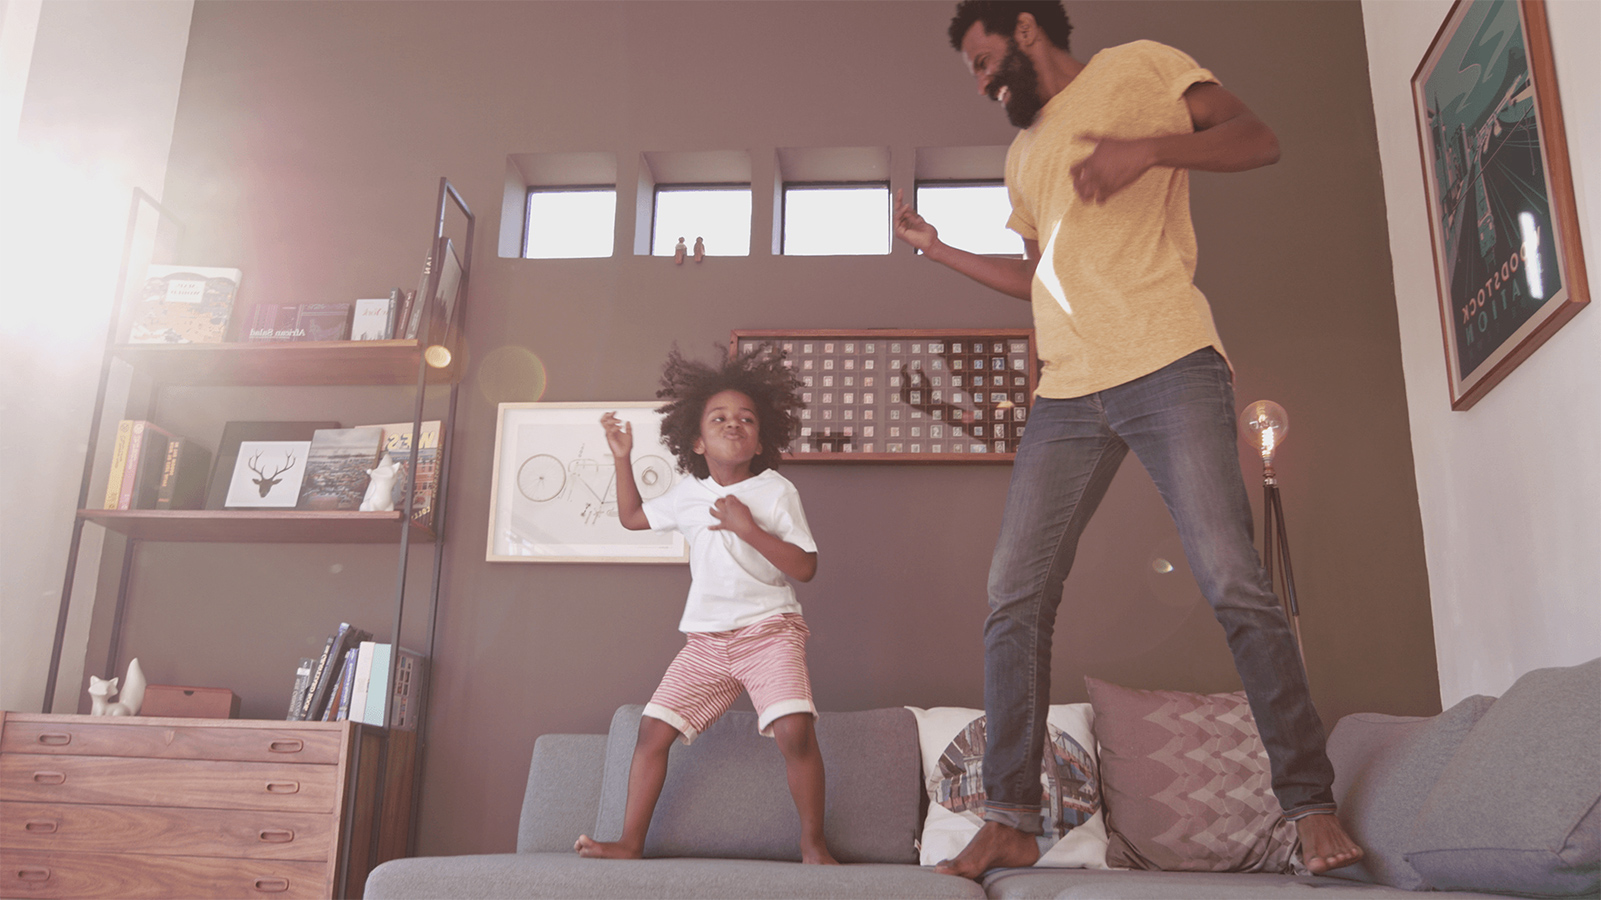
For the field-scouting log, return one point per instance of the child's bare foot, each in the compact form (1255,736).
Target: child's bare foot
(587,846)
(1324,843)
(995,846)
(817,855)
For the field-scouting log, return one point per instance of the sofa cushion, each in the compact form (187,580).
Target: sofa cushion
(1186,783)
(1384,767)
(727,794)
(568,875)
(953,743)
(1515,810)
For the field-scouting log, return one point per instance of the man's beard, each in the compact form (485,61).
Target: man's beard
(1018,76)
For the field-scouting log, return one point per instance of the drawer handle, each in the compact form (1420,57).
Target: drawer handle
(277,835)
(33,875)
(41,827)
(288,745)
(55,738)
(49,778)
(272,885)
(283,787)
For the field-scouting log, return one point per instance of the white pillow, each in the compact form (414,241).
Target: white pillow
(1075,835)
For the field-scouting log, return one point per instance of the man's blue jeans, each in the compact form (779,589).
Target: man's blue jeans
(1179,421)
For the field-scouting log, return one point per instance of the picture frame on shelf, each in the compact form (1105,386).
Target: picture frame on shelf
(236,433)
(1503,221)
(553,495)
(267,475)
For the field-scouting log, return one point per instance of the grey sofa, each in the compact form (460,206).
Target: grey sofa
(1489,796)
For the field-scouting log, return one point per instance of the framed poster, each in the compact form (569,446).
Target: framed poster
(908,396)
(553,497)
(1502,219)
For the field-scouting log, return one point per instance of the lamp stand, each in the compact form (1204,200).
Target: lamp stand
(1276,551)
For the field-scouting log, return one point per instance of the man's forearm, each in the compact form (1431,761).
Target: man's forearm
(1237,145)
(1013,277)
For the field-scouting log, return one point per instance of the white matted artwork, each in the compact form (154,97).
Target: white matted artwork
(267,475)
(554,494)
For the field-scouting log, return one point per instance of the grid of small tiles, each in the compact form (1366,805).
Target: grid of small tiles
(910,397)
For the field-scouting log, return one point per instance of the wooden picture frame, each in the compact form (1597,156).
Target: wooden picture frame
(1503,223)
(907,395)
(552,496)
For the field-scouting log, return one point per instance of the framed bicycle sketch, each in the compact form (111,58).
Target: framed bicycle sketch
(553,497)
(1503,222)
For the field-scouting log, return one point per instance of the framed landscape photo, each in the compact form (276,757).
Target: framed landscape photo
(1502,218)
(553,497)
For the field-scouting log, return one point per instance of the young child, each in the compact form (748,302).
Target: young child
(746,532)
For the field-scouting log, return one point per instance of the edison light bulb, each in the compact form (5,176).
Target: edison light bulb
(1264,425)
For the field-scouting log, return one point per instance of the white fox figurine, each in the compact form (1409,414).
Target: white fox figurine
(133,693)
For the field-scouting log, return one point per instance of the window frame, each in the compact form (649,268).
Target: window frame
(528,213)
(658,189)
(918,185)
(783,211)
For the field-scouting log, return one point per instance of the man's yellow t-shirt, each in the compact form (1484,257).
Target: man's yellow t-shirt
(1114,295)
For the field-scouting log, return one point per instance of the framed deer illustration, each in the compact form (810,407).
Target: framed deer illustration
(268,475)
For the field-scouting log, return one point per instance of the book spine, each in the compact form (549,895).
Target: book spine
(397,298)
(359,687)
(130,470)
(119,462)
(317,675)
(297,697)
(169,476)
(378,687)
(347,681)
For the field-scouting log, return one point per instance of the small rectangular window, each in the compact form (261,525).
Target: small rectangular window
(836,219)
(717,214)
(570,222)
(970,215)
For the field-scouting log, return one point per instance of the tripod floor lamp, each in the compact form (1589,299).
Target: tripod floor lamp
(1264,425)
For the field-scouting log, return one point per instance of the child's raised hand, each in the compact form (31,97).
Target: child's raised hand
(733,515)
(619,435)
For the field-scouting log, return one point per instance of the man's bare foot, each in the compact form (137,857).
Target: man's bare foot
(587,846)
(995,846)
(1324,843)
(817,855)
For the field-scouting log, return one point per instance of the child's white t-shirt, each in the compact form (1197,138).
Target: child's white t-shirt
(731,584)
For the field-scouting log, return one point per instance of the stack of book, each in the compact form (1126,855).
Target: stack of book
(152,468)
(351,681)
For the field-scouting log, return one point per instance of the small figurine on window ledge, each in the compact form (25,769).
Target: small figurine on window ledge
(678,253)
(133,695)
(700,249)
(380,496)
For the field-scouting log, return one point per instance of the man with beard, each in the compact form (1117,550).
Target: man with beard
(1099,177)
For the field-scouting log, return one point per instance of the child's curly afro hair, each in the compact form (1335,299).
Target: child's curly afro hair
(759,373)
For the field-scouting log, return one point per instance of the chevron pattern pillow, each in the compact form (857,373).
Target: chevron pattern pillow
(1185,783)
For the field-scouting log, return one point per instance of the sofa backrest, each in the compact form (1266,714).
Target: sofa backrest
(727,796)
(563,791)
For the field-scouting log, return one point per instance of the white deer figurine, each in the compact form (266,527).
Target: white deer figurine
(133,693)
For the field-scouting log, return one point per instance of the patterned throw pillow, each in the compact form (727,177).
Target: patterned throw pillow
(953,740)
(1186,784)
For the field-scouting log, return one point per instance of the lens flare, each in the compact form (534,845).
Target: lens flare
(511,375)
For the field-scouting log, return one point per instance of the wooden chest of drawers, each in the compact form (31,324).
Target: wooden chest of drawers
(157,807)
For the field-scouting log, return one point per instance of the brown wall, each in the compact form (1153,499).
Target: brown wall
(309,141)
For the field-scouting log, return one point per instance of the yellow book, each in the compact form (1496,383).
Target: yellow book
(119,461)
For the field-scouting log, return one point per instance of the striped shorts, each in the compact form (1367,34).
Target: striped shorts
(768,659)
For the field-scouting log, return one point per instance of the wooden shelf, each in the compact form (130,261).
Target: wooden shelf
(277,526)
(294,364)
